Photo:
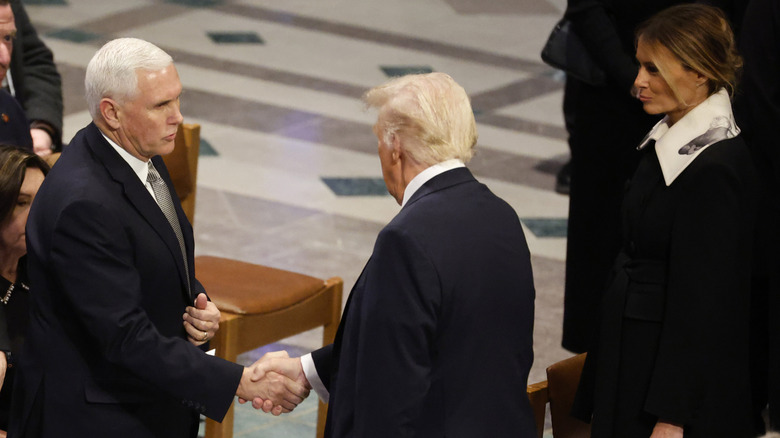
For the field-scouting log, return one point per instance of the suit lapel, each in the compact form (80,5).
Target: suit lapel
(139,197)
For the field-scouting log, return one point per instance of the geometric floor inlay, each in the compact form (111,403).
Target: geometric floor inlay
(392,71)
(546,227)
(73,35)
(356,186)
(235,38)
(206,149)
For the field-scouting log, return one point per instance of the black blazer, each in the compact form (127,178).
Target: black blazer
(439,322)
(674,336)
(106,353)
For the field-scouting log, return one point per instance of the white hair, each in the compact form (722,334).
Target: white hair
(112,71)
(431,112)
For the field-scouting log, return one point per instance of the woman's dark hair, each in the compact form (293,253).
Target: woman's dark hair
(701,38)
(14,162)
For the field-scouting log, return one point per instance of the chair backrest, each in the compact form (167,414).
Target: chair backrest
(182,165)
(562,380)
(538,396)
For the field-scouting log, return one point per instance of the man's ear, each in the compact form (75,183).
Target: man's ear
(109,110)
(398,150)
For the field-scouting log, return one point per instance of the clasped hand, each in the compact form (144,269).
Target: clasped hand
(201,320)
(275,383)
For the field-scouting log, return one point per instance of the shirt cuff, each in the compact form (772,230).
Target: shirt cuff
(310,371)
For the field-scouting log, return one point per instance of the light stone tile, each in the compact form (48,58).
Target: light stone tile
(509,35)
(310,52)
(79,11)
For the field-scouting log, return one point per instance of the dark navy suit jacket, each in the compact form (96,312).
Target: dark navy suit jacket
(436,338)
(106,353)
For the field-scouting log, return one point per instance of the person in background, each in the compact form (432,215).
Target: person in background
(21,174)
(600,164)
(34,81)
(672,357)
(600,161)
(757,109)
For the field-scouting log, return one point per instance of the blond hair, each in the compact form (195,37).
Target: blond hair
(431,112)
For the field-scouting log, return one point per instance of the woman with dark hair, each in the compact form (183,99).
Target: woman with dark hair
(672,353)
(21,174)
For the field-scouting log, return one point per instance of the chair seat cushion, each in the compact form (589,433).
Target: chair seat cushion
(246,288)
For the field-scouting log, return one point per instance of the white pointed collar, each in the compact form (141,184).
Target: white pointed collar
(678,145)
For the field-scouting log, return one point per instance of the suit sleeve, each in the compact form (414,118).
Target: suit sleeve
(99,280)
(707,295)
(396,333)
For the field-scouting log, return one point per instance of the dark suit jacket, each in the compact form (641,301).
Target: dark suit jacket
(14,128)
(106,353)
(436,339)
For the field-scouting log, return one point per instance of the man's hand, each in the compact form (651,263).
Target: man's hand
(667,430)
(41,142)
(277,362)
(277,391)
(201,321)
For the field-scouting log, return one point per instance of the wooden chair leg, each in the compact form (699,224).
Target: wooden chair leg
(328,335)
(225,344)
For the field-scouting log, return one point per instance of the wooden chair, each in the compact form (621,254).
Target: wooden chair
(182,165)
(261,305)
(559,390)
(51,159)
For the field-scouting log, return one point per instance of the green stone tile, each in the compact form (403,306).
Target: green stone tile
(73,35)
(356,186)
(403,70)
(546,227)
(206,149)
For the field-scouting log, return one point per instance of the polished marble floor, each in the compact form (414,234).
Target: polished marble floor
(288,175)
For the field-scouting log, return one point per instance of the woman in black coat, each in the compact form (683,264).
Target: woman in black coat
(672,352)
(21,174)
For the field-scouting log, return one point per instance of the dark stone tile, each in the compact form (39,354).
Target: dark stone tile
(546,227)
(513,93)
(522,125)
(356,186)
(73,35)
(403,70)
(235,38)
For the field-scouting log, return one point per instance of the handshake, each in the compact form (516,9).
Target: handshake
(275,383)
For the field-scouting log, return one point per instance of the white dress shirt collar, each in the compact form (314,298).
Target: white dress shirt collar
(141,168)
(428,174)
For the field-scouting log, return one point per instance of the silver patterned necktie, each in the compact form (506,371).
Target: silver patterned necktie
(165,202)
